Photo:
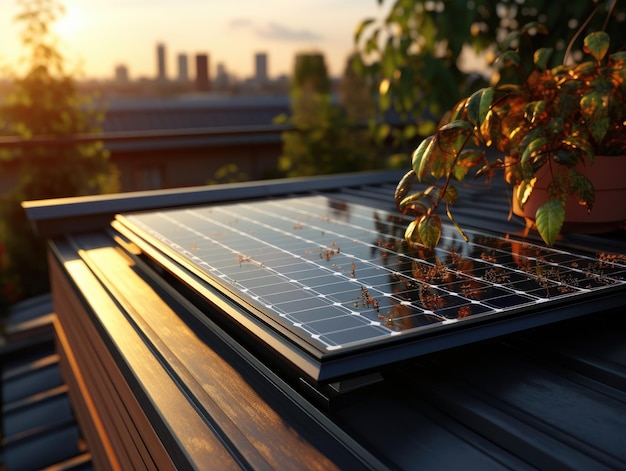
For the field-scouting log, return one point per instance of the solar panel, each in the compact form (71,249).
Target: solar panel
(337,281)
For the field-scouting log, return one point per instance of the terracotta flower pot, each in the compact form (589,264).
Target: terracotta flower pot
(608,176)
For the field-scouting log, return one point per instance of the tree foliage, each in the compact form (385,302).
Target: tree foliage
(325,138)
(542,126)
(44,102)
(412,54)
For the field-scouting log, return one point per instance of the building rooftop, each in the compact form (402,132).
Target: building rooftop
(181,367)
(135,115)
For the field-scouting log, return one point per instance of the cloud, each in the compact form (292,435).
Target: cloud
(275,31)
(241,23)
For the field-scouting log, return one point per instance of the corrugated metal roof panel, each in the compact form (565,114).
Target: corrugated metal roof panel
(39,428)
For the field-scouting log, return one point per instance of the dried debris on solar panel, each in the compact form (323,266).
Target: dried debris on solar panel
(340,274)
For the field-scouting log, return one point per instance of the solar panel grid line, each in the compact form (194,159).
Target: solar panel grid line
(533,297)
(495,306)
(351,312)
(365,288)
(220,275)
(341,324)
(312,263)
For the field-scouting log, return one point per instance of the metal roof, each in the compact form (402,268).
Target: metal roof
(551,397)
(170,114)
(38,424)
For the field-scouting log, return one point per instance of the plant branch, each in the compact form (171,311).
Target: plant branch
(609,14)
(580,30)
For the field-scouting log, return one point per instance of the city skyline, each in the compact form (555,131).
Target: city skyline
(96,37)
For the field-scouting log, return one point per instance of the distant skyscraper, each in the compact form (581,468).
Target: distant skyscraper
(260,62)
(202,72)
(121,73)
(183,74)
(221,76)
(161,73)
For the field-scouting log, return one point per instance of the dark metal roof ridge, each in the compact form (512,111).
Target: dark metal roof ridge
(151,135)
(58,216)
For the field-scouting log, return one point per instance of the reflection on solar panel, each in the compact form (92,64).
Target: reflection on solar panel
(337,279)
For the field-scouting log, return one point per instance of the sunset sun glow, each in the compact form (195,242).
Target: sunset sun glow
(70,25)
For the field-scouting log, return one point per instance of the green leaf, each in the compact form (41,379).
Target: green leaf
(555,125)
(541,57)
(618,60)
(604,85)
(595,108)
(532,149)
(582,187)
(357,64)
(567,157)
(582,145)
(467,159)
(429,229)
(510,58)
(585,68)
(571,87)
(472,107)
(524,190)
(404,186)
(418,203)
(388,62)
(533,134)
(371,44)
(451,194)
(486,100)
(509,88)
(534,109)
(361,27)
(451,139)
(549,220)
(597,44)
(478,105)
(411,234)
(457,111)
(421,155)
(458,125)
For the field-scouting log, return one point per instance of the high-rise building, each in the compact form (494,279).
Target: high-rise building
(202,73)
(121,73)
(221,76)
(260,67)
(161,72)
(183,74)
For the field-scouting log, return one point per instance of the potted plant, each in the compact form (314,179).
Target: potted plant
(545,128)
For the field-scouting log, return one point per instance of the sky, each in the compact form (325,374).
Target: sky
(97,35)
